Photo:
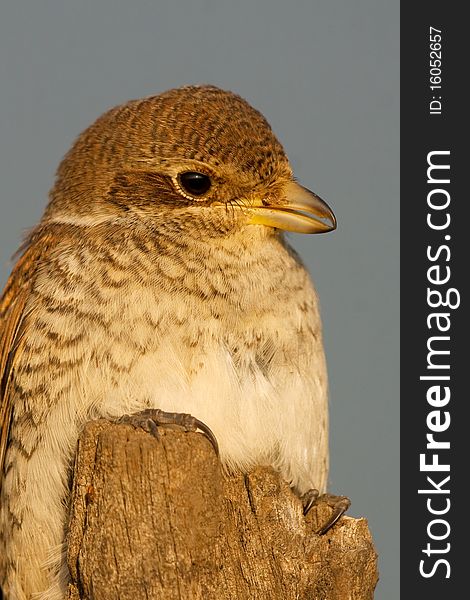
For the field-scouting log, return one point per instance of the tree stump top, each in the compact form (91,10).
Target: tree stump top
(158,518)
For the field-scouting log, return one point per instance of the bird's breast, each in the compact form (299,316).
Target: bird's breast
(235,341)
(230,334)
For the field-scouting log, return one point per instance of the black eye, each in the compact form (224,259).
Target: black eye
(194,183)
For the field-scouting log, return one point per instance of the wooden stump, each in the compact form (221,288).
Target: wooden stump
(158,519)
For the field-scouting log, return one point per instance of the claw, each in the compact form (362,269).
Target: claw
(340,505)
(207,432)
(309,499)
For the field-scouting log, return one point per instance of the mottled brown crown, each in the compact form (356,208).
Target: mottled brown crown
(193,123)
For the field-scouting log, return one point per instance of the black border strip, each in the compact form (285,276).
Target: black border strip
(435,257)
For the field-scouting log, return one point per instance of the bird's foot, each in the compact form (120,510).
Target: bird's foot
(339,504)
(152,418)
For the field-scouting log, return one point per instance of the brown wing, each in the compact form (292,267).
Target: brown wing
(12,313)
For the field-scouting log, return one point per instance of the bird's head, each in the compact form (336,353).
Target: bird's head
(193,153)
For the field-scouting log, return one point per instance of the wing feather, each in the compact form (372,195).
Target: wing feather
(12,313)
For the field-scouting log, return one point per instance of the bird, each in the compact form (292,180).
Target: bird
(159,278)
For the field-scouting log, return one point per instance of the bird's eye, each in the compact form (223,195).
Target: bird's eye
(194,183)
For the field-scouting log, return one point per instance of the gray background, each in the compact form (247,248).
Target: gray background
(325,74)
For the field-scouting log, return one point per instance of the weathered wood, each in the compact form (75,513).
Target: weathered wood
(159,519)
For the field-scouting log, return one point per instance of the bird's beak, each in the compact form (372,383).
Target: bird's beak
(302,212)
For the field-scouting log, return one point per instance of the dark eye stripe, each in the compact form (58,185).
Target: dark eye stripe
(195,184)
